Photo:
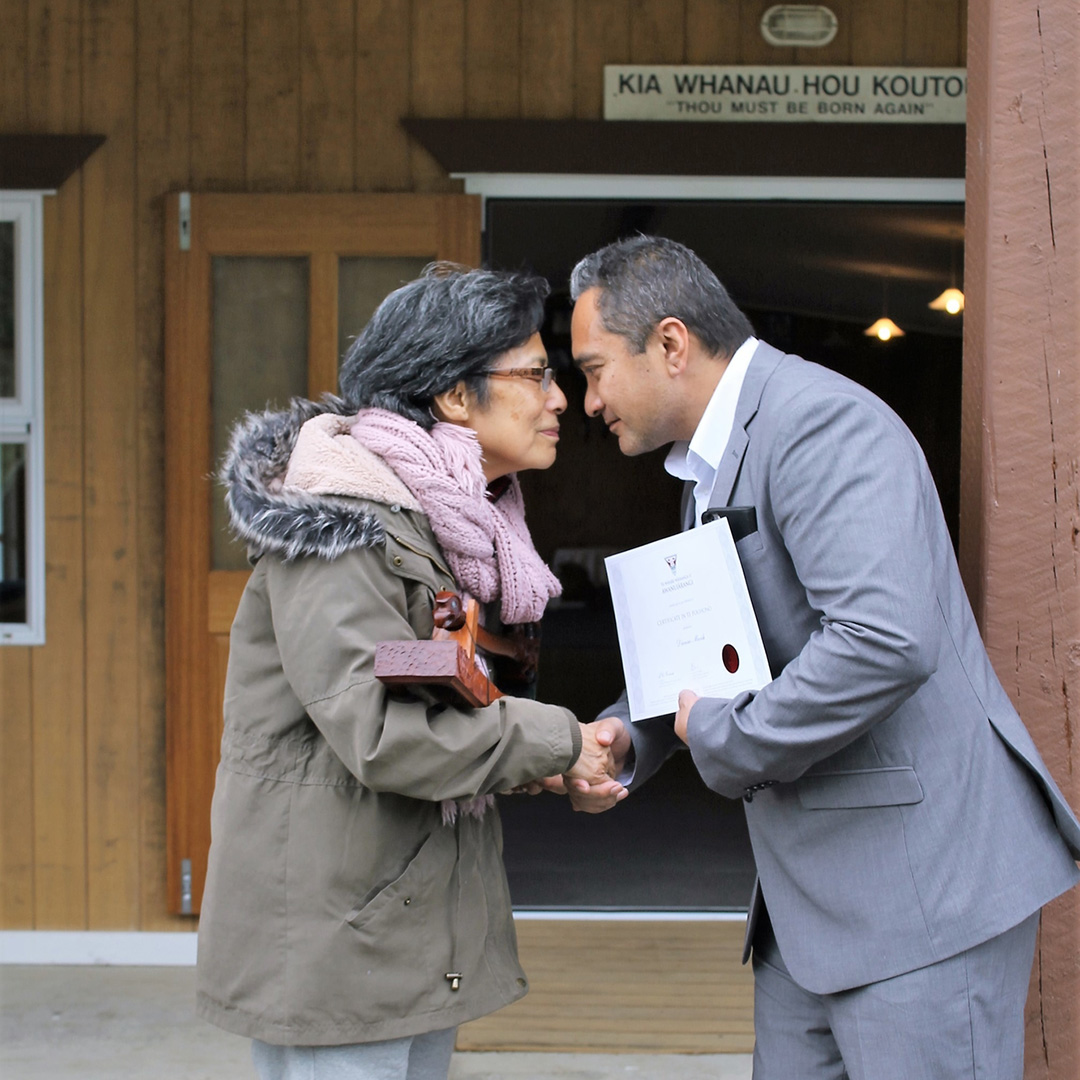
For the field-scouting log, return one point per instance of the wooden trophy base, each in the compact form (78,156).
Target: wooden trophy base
(450,659)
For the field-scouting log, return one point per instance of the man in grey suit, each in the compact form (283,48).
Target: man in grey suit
(905,828)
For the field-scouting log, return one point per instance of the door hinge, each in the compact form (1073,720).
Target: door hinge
(185,220)
(185,886)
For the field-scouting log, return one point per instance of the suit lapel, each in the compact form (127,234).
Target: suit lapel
(762,364)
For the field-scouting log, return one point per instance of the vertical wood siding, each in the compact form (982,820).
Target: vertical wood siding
(223,95)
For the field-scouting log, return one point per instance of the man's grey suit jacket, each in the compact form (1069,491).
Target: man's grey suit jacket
(908,814)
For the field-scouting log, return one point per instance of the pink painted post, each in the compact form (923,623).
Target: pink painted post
(1020,493)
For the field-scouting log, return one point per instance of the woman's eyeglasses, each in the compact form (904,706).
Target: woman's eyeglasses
(545,376)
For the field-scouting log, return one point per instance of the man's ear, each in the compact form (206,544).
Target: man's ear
(453,406)
(674,339)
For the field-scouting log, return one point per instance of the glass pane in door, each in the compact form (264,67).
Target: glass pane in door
(259,352)
(7,309)
(12,532)
(364,281)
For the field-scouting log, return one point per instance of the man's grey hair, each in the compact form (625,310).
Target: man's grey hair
(644,279)
(447,326)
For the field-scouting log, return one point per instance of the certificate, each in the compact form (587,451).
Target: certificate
(685,620)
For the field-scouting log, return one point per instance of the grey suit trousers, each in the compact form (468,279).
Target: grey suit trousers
(959,1019)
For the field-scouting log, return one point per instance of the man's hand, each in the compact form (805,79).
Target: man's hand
(594,798)
(682,717)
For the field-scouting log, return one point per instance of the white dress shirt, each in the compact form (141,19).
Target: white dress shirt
(698,459)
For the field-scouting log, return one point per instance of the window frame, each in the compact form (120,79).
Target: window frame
(22,416)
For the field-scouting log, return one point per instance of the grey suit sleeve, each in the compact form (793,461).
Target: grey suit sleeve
(653,741)
(853,502)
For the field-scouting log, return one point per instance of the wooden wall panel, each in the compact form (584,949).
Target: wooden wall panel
(218,87)
(547,59)
(111,469)
(712,31)
(932,34)
(381,151)
(657,32)
(59,670)
(13,70)
(601,36)
(272,95)
(877,32)
(16,791)
(53,64)
(163,163)
(492,58)
(437,59)
(327,95)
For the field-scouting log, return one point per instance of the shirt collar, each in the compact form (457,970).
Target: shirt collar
(711,436)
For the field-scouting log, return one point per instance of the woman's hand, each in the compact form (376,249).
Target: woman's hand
(596,762)
(591,795)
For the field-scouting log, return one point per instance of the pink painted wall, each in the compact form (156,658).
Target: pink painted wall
(1020,498)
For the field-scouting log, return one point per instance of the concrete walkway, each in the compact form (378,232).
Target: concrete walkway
(128,1023)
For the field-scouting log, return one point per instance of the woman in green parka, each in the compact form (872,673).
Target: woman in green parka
(356,908)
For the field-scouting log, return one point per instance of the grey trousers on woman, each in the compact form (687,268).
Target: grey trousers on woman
(416,1057)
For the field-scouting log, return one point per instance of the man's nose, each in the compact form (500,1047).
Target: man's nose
(594,404)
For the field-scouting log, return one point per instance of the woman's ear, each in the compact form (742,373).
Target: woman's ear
(452,406)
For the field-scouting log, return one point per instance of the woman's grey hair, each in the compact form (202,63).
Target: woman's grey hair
(447,326)
(644,279)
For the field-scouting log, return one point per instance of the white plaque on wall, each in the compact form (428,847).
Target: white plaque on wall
(865,95)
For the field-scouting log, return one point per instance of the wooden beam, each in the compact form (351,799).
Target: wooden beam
(42,162)
(632,147)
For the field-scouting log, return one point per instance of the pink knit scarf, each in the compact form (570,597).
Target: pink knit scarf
(486,542)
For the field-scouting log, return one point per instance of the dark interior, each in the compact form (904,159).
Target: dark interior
(811,276)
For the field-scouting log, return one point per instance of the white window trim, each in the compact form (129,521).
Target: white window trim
(799,188)
(22,417)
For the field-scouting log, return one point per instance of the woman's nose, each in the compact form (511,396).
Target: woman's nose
(556,399)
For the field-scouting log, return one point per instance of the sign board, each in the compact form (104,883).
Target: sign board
(865,95)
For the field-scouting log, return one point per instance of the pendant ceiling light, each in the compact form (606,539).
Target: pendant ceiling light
(951,300)
(884,329)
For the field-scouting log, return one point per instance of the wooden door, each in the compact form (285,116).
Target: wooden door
(262,294)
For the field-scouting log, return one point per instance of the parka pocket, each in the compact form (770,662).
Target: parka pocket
(398,944)
(411,889)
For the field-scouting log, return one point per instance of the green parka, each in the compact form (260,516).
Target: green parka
(338,905)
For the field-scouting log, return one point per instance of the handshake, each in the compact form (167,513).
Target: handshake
(591,784)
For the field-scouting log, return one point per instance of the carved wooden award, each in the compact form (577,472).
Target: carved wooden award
(450,658)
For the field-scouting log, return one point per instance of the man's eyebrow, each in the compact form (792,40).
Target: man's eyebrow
(588,358)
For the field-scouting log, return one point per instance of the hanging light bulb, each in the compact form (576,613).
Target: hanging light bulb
(951,300)
(884,329)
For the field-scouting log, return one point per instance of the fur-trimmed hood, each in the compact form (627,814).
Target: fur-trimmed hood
(291,490)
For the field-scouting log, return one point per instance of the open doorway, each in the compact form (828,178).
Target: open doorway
(811,276)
